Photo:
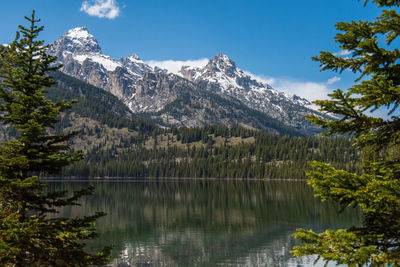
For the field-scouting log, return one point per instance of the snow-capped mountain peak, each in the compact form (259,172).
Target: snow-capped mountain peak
(149,88)
(135,65)
(221,74)
(79,46)
(78,40)
(79,32)
(81,56)
(134,57)
(222,63)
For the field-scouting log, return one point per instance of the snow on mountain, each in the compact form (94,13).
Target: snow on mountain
(224,74)
(79,33)
(174,66)
(107,62)
(136,66)
(78,40)
(150,86)
(81,56)
(221,75)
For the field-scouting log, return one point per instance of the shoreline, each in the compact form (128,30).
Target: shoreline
(163,179)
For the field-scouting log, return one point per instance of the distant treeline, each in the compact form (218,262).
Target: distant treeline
(239,153)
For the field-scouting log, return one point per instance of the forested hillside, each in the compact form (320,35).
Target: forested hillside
(118,144)
(215,152)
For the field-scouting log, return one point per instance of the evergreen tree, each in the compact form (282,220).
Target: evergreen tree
(30,232)
(374,54)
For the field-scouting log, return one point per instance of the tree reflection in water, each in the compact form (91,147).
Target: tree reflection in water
(205,223)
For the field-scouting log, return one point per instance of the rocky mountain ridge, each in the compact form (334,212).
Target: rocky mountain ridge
(191,98)
(222,76)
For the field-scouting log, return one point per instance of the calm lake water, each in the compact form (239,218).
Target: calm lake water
(205,223)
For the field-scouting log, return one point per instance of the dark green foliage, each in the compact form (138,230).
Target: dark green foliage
(267,156)
(29,235)
(374,54)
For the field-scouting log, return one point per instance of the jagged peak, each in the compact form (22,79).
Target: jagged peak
(135,57)
(221,56)
(77,40)
(132,58)
(135,65)
(78,32)
(222,59)
(222,62)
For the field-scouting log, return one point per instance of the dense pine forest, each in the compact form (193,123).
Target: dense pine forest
(215,152)
(119,144)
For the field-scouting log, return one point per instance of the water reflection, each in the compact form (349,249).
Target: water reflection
(205,223)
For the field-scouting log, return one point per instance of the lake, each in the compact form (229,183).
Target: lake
(205,223)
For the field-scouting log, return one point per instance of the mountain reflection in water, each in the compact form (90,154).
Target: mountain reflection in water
(205,223)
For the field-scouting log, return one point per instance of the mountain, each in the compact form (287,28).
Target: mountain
(81,56)
(118,143)
(95,104)
(221,75)
(218,93)
(171,100)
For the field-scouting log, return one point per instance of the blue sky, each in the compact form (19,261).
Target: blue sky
(272,39)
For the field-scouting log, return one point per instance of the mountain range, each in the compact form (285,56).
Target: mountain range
(217,93)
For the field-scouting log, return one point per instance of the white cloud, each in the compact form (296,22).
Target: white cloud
(174,66)
(307,89)
(333,80)
(101,8)
(342,53)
